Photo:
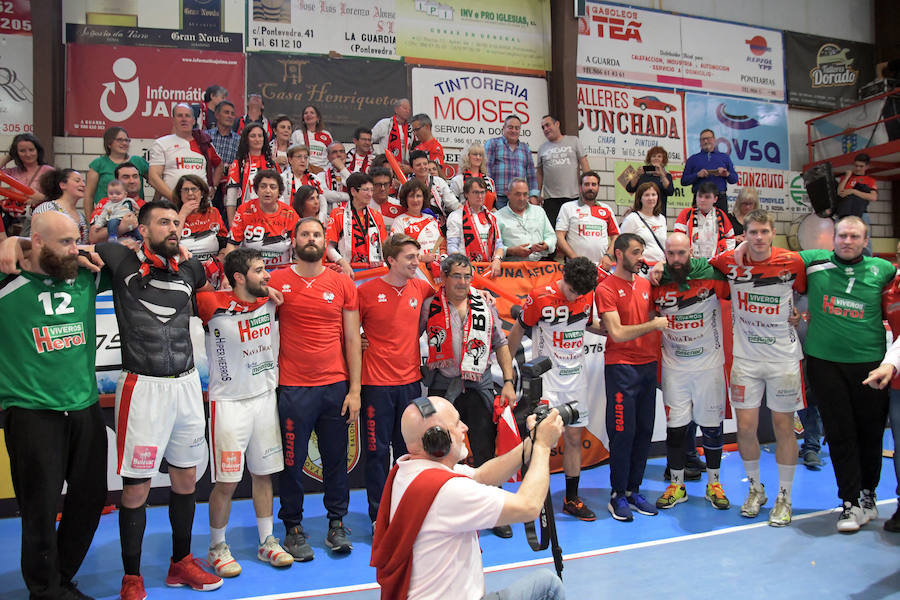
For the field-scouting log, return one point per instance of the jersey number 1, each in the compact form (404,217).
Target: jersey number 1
(62,309)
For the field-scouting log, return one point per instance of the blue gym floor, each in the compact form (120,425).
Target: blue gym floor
(683,552)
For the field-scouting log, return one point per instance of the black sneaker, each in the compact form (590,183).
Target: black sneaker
(71,592)
(297,546)
(694,463)
(578,509)
(690,474)
(337,538)
(503,531)
(893,524)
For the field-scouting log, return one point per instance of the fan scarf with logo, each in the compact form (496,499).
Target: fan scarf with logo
(362,237)
(476,332)
(475,248)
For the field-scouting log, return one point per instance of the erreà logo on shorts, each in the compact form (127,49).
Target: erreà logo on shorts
(759,303)
(58,337)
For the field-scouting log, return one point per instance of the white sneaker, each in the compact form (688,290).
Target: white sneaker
(867,503)
(780,515)
(271,552)
(851,518)
(222,562)
(754,502)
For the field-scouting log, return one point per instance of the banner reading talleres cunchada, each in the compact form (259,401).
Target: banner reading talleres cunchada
(753,133)
(648,47)
(466,106)
(348,92)
(826,73)
(136,87)
(346,27)
(622,122)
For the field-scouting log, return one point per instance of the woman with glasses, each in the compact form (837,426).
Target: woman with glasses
(203,233)
(418,222)
(471,164)
(473,230)
(747,201)
(117,147)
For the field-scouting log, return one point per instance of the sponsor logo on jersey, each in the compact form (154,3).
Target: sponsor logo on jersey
(382,298)
(570,371)
(255,328)
(688,352)
(568,340)
(143,457)
(588,230)
(413,302)
(221,356)
(761,339)
(58,337)
(328,297)
(842,307)
(759,303)
(262,367)
(691,321)
(231,461)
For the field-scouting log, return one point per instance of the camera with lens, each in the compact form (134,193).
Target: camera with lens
(532,389)
(568,412)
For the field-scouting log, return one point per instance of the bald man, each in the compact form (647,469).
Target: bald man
(54,430)
(445,557)
(693,371)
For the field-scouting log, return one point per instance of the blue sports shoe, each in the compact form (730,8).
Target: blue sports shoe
(640,504)
(619,509)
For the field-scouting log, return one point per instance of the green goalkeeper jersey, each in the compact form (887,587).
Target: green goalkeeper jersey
(845,321)
(49,337)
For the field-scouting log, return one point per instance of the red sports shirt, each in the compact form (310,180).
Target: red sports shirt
(434,149)
(311,322)
(632,300)
(270,233)
(390,319)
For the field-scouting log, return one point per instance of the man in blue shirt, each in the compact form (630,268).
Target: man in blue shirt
(710,165)
(507,158)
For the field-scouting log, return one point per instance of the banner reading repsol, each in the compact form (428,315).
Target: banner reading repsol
(348,92)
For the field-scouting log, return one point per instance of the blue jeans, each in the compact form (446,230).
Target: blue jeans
(812,428)
(537,585)
(894,412)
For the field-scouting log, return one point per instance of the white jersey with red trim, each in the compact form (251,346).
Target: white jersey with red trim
(241,343)
(558,332)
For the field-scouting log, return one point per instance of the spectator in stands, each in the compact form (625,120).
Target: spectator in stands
(425,141)
(313,135)
(116,145)
(281,141)
(334,178)
(360,156)
(265,223)
(63,189)
(856,190)
(445,202)
(28,155)
(255,109)
(225,140)
(654,171)
(394,134)
(559,161)
(473,230)
(118,207)
(203,233)
(471,164)
(709,166)
(507,159)
(415,198)
(646,220)
(179,153)
(355,232)
(253,155)
(388,206)
(205,113)
(524,227)
(306,202)
(297,176)
(130,177)
(587,227)
(747,201)
(707,226)
(434,168)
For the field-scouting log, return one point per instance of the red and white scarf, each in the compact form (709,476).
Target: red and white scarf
(476,332)
(361,242)
(357,163)
(333,180)
(306,179)
(397,145)
(475,248)
(150,259)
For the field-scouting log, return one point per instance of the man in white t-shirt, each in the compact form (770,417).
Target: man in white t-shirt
(178,153)
(586,227)
(448,503)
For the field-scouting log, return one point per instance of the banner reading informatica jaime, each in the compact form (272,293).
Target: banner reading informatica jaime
(753,133)
(505,33)
(649,47)
(826,73)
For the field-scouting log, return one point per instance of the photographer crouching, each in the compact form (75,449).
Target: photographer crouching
(432,550)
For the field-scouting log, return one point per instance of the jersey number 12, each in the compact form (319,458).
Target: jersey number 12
(62,308)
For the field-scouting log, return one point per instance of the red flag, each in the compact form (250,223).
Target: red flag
(507,433)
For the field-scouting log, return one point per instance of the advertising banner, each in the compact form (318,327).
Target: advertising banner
(290,82)
(826,73)
(336,27)
(648,47)
(17,84)
(114,35)
(466,106)
(136,87)
(476,32)
(622,122)
(201,16)
(15,17)
(753,133)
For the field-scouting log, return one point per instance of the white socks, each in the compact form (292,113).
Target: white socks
(786,479)
(216,536)
(752,469)
(712,476)
(264,526)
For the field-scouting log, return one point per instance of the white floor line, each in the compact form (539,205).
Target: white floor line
(566,557)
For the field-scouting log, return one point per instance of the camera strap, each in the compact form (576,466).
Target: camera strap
(531,531)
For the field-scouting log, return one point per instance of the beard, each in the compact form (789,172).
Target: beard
(260,290)
(679,272)
(463,453)
(589,195)
(632,267)
(163,248)
(60,267)
(309,253)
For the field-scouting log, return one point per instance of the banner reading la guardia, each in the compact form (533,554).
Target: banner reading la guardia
(754,134)
(466,106)
(623,122)
(648,47)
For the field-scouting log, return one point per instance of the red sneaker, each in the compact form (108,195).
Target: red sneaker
(132,588)
(188,571)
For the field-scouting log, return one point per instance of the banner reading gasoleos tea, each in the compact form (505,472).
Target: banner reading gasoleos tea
(505,33)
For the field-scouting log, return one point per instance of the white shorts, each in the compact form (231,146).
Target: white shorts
(694,395)
(579,397)
(245,430)
(159,417)
(781,382)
